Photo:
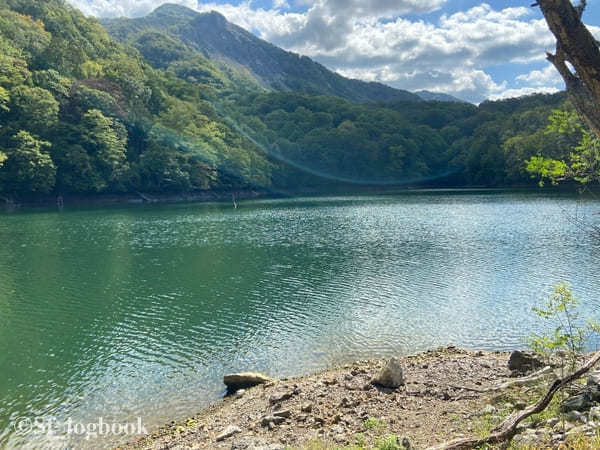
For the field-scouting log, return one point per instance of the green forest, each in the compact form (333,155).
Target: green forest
(81,113)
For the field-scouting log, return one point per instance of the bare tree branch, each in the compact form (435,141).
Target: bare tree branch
(507,429)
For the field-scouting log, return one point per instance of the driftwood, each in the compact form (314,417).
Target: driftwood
(529,379)
(577,46)
(507,429)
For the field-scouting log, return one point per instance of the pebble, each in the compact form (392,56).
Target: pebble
(228,432)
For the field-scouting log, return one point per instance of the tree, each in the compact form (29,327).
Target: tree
(28,166)
(105,140)
(582,164)
(577,46)
(34,108)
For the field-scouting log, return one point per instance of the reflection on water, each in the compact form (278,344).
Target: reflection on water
(127,312)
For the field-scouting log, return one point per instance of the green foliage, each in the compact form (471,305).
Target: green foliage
(35,108)
(581,164)
(389,442)
(547,168)
(155,114)
(372,423)
(566,332)
(105,140)
(4,100)
(114,123)
(28,167)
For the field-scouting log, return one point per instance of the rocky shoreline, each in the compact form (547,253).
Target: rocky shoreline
(446,393)
(136,198)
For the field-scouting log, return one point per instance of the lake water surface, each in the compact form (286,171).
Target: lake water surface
(133,312)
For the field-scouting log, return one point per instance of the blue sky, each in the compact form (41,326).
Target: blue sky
(469,48)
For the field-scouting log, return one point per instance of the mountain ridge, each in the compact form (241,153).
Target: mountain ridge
(217,39)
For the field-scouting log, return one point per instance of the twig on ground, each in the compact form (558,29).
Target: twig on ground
(507,429)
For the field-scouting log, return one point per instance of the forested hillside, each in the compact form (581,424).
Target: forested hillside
(81,113)
(438,143)
(212,36)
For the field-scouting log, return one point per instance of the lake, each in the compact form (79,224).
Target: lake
(128,312)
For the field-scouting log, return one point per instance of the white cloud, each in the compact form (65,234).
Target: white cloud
(548,76)
(371,40)
(280,4)
(124,8)
(449,56)
(509,93)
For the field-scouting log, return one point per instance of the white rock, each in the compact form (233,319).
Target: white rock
(228,432)
(391,376)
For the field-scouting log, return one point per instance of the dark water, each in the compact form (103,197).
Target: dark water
(122,313)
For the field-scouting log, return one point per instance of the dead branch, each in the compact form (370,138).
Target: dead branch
(507,429)
(529,379)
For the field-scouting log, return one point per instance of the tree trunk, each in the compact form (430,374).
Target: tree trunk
(576,45)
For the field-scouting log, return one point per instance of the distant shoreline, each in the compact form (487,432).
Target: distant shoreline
(223,196)
(140,198)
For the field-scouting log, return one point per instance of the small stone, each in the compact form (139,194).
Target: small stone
(338,429)
(240,393)
(306,407)
(405,443)
(340,438)
(578,430)
(279,397)
(552,421)
(228,432)
(563,427)
(391,376)
(489,409)
(271,419)
(286,413)
(576,416)
(253,443)
(595,412)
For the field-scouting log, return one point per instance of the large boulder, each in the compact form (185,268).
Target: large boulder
(244,380)
(521,362)
(581,402)
(391,376)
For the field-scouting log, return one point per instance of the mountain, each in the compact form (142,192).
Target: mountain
(429,96)
(83,114)
(182,30)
